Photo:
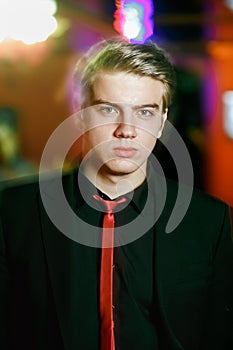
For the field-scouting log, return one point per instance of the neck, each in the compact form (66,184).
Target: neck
(115,185)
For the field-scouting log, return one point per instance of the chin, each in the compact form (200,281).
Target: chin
(121,167)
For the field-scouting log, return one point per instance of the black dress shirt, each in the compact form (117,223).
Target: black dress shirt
(134,296)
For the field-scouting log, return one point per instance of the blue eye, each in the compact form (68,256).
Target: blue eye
(145,113)
(108,110)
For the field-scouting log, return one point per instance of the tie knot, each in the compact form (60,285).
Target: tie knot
(108,204)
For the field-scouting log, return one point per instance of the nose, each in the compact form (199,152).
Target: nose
(125,129)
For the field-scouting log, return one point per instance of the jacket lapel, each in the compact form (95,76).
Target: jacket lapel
(162,273)
(163,262)
(58,251)
(66,260)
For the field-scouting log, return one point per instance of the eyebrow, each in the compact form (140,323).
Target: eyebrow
(150,105)
(100,101)
(146,105)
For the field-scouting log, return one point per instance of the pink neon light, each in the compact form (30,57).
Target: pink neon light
(144,9)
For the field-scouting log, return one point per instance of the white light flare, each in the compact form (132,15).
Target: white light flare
(132,25)
(29,21)
(133,19)
(228,112)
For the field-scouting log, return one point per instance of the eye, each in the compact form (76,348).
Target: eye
(108,110)
(146,113)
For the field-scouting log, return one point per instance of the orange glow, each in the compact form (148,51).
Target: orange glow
(219,155)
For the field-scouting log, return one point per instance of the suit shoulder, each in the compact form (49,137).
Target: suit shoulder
(25,190)
(199,207)
(18,186)
(197,195)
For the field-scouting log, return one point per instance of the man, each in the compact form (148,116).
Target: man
(168,291)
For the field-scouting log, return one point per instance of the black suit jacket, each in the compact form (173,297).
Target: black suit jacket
(45,292)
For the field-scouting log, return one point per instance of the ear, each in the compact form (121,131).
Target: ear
(163,119)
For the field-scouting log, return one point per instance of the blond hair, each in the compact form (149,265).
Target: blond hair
(118,55)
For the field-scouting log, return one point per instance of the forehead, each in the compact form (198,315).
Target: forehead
(128,88)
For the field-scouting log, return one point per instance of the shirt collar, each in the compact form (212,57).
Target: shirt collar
(84,191)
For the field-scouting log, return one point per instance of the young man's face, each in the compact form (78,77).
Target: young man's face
(123,121)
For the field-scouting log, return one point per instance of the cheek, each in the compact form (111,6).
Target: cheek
(148,141)
(97,136)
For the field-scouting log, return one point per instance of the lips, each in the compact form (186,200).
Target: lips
(125,152)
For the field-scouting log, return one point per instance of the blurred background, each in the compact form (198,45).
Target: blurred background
(38,50)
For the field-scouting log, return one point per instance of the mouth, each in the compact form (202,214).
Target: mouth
(125,152)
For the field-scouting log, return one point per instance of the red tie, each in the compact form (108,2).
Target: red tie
(106,276)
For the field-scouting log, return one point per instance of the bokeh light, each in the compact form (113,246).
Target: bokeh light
(29,21)
(228,112)
(229,3)
(133,19)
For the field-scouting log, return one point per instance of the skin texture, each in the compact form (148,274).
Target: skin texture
(121,126)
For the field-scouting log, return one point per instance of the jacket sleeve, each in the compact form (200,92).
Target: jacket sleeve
(4,292)
(219,320)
